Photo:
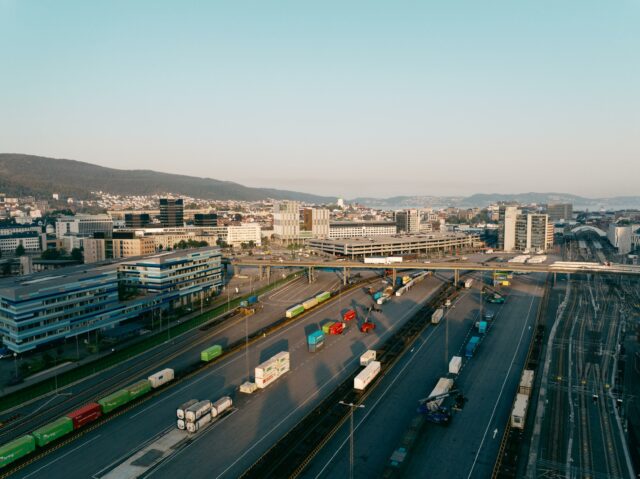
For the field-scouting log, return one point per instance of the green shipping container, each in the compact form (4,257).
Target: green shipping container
(211,353)
(138,389)
(323,296)
(53,431)
(16,449)
(326,326)
(114,401)
(295,311)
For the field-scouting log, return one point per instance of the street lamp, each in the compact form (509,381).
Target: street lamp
(352,408)
(15,362)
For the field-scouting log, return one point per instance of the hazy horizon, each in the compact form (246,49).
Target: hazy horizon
(347,100)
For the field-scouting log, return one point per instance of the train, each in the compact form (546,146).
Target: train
(521,403)
(80,418)
(310,303)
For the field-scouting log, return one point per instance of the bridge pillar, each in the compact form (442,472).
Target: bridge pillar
(345,275)
(395,273)
(260,272)
(268,273)
(310,274)
(456,277)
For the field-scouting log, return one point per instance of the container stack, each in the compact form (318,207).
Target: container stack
(315,341)
(272,369)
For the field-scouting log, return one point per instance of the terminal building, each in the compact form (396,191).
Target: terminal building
(436,243)
(44,307)
(360,229)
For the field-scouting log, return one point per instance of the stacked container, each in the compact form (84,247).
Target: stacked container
(220,406)
(197,416)
(326,327)
(315,341)
(272,369)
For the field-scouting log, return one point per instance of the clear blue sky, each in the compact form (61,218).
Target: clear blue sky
(346,98)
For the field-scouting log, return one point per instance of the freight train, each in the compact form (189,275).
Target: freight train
(308,304)
(44,435)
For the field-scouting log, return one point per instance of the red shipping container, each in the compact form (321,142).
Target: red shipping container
(368,326)
(336,328)
(85,415)
(349,315)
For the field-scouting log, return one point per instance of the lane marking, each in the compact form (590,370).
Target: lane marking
(61,457)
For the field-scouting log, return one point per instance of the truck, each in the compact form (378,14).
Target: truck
(443,386)
(349,315)
(482,327)
(437,316)
(367,357)
(471,346)
(368,374)
(180,412)
(294,311)
(211,353)
(455,364)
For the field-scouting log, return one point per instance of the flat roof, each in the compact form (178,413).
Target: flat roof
(334,224)
(390,240)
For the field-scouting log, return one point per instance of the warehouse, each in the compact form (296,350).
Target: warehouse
(398,245)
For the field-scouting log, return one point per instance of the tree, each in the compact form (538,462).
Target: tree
(20,250)
(76,254)
(51,254)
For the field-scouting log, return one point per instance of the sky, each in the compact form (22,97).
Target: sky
(348,99)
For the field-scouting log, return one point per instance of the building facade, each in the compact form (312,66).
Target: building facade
(83,225)
(171,212)
(408,221)
(137,220)
(361,229)
(286,220)
(520,231)
(621,236)
(560,212)
(317,221)
(32,242)
(205,219)
(507,230)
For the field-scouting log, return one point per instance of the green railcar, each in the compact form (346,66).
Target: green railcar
(114,401)
(211,353)
(14,450)
(323,296)
(52,431)
(138,389)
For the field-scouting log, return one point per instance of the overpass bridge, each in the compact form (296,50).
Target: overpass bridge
(455,266)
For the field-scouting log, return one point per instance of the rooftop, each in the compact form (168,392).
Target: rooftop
(391,240)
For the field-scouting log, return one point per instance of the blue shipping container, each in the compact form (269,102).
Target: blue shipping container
(316,347)
(377,295)
(252,299)
(482,327)
(471,346)
(315,337)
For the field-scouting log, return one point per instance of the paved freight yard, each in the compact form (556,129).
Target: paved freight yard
(186,349)
(233,444)
(467,447)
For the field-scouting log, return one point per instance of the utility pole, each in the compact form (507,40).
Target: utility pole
(352,408)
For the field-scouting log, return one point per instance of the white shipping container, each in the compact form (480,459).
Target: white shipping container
(310,303)
(221,405)
(181,424)
(248,387)
(526,382)
(468,283)
(437,315)
(367,357)
(266,368)
(367,375)
(181,410)
(200,423)
(161,377)
(262,383)
(455,364)
(198,410)
(519,411)
(281,356)
(443,386)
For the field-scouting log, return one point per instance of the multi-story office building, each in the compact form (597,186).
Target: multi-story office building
(16,229)
(408,221)
(45,307)
(520,231)
(359,229)
(286,220)
(507,230)
(83,225)
(171,212)
(205,219)
(246,233)
(96,250)
(127,245)
(316,220)
(32,242)
(137,220)
(560,212)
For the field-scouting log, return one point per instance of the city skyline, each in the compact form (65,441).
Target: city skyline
(447,99)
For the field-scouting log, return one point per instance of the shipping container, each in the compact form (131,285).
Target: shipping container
(248,387)
(181,410)
(182,424)
(266,369)
(195,412)
(211,353)
(482,327)
(16,449)
(114,401)
(526,382)
(323,296)
(327,326)
(294,311)
(252,299)
(221,405)
(349,315)
(138,389)
(471,346)
(367,357)
(519,411)
(336,328)
(199,423)
(468,283)
(455,364)
(443,386)
(85,414)
(161,377)
(313,348)
(315,337)
(367,326)
(52,431)
(310,303)
(377,295)
(282,356)
(362,380)
(437,316)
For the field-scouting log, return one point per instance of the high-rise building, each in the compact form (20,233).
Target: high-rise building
(520,231)
(137,220)
(316,220)
(507,229)
(560,212)
(286,220)
(171,212)
(205,219)
(408,221)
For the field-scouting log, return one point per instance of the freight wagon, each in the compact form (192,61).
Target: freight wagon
(85,415)
(211,353)
(310,303)
(17,449)
(519,411)
(323,296)
(368,374)
(294,311)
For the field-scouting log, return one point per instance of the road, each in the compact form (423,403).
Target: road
(467,447)
(176,353)
(261,418)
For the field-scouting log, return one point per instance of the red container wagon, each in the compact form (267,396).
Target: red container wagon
(349,315)
(85,415)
